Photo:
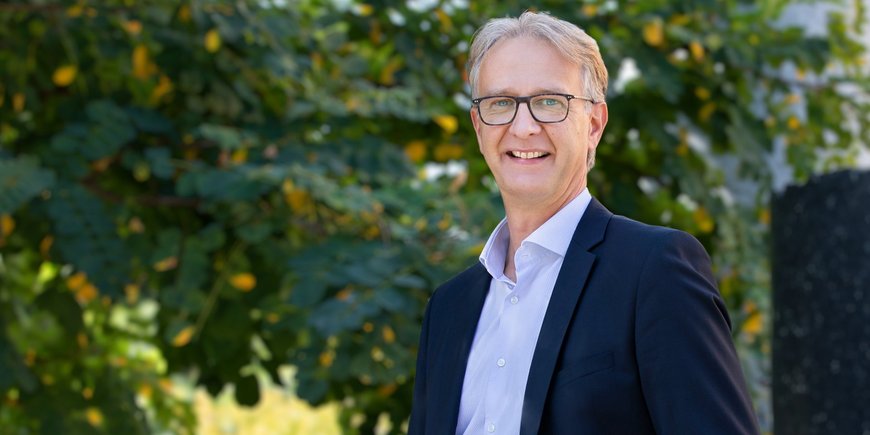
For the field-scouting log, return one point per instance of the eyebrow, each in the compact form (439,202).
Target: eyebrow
(536,91)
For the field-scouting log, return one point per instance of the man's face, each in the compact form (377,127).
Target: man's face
(536,163)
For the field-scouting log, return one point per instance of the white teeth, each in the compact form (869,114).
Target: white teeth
(528,155)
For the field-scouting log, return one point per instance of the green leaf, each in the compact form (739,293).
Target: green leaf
(21,179)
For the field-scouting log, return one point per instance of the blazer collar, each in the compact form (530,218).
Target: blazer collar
(473,285)
(563,302)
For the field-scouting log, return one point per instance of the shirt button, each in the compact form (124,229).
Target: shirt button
(514,300)
(500,362)
(490,428)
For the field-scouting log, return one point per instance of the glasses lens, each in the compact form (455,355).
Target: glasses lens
(549,108)
(497,110)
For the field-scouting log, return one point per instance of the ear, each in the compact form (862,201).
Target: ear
(597,122)
(475,121)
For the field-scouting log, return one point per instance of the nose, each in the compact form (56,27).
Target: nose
(524,123)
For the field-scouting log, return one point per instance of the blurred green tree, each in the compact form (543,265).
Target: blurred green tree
(218,188)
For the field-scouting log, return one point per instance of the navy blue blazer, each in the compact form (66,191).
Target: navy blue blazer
(636,340)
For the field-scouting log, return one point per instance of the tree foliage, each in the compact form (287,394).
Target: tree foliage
(213,188)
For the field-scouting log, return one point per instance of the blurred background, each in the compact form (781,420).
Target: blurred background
(226,217)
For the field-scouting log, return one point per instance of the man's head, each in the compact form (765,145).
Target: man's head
(539,149)
(574,44)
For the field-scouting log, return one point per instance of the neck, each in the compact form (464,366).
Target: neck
(523,218)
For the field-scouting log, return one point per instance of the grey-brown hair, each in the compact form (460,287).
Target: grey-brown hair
(578,47)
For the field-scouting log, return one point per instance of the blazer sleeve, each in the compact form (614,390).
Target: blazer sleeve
(417,422)
(689,370)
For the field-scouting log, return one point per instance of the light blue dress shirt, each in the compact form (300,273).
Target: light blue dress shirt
(507,332)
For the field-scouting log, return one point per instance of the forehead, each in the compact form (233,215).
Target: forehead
(524,65)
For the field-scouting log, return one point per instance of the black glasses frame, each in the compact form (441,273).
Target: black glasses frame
(527,100)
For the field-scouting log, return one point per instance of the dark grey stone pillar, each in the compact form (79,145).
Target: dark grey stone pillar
(821,305)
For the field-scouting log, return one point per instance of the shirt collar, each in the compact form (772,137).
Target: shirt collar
(554,235)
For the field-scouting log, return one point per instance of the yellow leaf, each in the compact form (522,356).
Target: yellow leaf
(444,19)
(243,281)
(445,152)
(726,286)
(7,225)
(18,102)
(164,86)
(703,220)
(680,19)
(64,76)
(86,293)
(133,27)
(212,41)
(368,327)
(183,337)
(184,13)
(702,93)
(45,245)
(132,293)
(752,325)
(444,223)
(793,122)
(387,390)
(682,149)
(88,393)
(165,264)
(448,123)
(388,73)
(82,340)
(416,151)
(344,294)
(590,10)
(316,61)
(697,50)
(75,10)
(145,391)
(707,111)
(76,281)
(299,201)
(94,417)
(654,32)
(135,225)
(326,358)
(240,155)
(364,9)
(764,216)
(375,34)
(142,66)
(372,232)
(377,354)
(166,385)
(754,39)
(273,318)
(389,334)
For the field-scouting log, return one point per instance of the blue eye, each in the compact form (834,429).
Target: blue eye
(550,102)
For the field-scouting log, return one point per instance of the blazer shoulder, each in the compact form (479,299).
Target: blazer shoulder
(461,281)
(640,233)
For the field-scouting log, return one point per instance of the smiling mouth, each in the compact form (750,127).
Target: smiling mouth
(527,155)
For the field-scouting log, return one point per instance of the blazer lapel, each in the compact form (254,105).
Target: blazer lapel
(563,302)
(456,346)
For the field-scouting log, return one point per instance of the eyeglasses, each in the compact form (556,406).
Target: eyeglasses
(545,108)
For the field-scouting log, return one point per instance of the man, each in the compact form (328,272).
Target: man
(575,321)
